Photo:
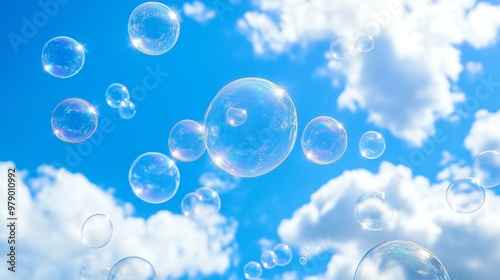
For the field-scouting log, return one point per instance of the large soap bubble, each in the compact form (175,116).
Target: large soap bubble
(63,57)
(132,268)
(486,169)
(74,120)
(263,140)
(324,140)
(400,260)
(465,196)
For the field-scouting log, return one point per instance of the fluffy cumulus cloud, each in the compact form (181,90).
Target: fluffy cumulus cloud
(483,134)
(405,83)
(198,11)
(53,205)
(467,245)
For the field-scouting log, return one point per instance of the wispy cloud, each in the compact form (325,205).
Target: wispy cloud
(198,11)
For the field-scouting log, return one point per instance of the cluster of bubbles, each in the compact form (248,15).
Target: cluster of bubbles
(202,203)
(281,255)
(344,46)
(118,97)
(467,195)
(373,211)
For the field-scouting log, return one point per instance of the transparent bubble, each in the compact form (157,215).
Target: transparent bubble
(252,270)
(303,260)
(153,28)
(93,271)
(236,117)
(371,145)
(132,268)
(202,203)
(365,43)
(116,94)
(97,231)
(400,260)
(324,140)
(268,259)
(283,253)
(74,120)
(486,169)
(154,177)
(186,142)
(373,211)
(127,110)
(63,57)
(188,205)
(465,195)
(343,46)
(264,140)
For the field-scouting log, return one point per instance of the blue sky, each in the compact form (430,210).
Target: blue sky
(422,86)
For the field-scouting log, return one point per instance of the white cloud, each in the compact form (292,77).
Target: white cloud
(455,171)
(218,180)
(483,134)
(198,11)
(467,245)
(447,157)
(474,68)
(406,82)
(53,206)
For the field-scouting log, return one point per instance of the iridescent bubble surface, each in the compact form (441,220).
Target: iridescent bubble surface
(373,211)
(97,231)
(153,28)
(127,110)
(465,196)
(154,177)
(343,46)
(74,120)
(252,270)
(371,145)
(202,203)
(486,169)
(268,259)
(283,253)
(400,260)
(364,43)
(186,140)
(132,268)
(116,94)
(63,57)
(264,140)
(236,116)
(188,204)
(324,140)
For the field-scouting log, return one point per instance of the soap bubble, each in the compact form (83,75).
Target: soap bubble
(186,142)
(153,28)
(236,116)
(127,110)
(116,94)
(63,57)
(264,140)
(342,46)
(486,169)
(93,270)
(364,43)
(132,268)
(303,260)
(97,231)
(283,253)
(373,211)
(188,205)
(371,145)
(324,140)
(252,270)
(203,202)
(74,120)
(400,260)
(465,195)
(154,177)
(268,259)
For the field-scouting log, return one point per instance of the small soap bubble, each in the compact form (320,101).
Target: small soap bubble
(153,28)
(283,253)
(93,271)
(132,268)
(365,43)
(486,169)
(154,177)
(371,145)
(236,116)
(465,196)
(268,259)
(186,141)
(74,120)
(63,57)
(303,260)
(202,203)
(373,211)
(97,231)
(116,94)
(127,110)
(324,140)
(252,270)
(188,205)
(342,46)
